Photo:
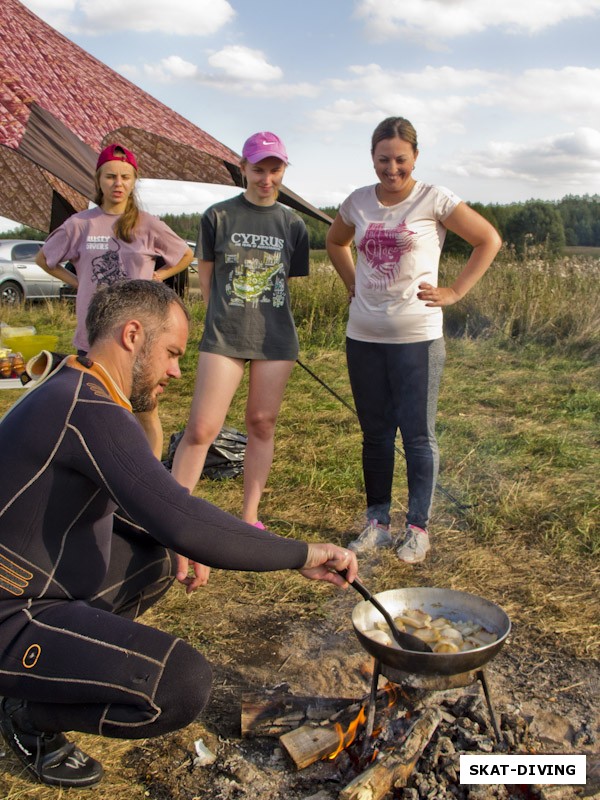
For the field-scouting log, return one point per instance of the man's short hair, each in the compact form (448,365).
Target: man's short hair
(147,301)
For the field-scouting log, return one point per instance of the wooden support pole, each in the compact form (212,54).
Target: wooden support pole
(394,766)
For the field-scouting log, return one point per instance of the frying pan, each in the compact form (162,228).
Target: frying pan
(404,640)
(455,606)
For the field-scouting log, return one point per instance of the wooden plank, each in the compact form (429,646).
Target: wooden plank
(309,743)
(274,715)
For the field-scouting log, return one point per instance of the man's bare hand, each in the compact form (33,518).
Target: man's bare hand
(324,559)
(195,581)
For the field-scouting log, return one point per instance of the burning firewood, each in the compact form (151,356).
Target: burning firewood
(308,744)
(395,764)
(280,713)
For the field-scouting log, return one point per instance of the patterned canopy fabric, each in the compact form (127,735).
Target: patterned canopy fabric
(59,106)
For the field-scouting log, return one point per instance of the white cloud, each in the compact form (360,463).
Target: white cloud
(439,20)
(560,93)
(278,91)
(57,13)
(244,71)
(243,64)
(566,160)
(200,18)
(438,100)
(44,8)
(423,94)
(129,71)
(434,99)
(171,68)
(335,116)
(179,17)
(432,118)
(237,70)
(441,79)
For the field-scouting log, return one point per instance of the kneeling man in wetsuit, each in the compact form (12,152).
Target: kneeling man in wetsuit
(90,522)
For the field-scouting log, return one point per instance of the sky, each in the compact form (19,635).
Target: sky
(504,94)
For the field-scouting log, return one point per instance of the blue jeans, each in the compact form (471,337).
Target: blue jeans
(396,387)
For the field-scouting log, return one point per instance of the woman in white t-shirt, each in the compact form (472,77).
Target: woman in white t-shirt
(395,346)
(113,242)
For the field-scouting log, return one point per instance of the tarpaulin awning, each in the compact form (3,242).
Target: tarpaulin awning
(59,106)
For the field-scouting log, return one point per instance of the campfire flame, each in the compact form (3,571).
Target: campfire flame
(391,692)
(348,736)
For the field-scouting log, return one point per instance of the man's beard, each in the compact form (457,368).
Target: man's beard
(142,384)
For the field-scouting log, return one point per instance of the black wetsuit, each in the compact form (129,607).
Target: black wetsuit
(89,522)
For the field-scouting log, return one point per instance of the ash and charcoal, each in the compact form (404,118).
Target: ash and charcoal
(259,767)
(464,728)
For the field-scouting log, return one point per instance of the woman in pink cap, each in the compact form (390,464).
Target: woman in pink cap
(114,242)
(248,247)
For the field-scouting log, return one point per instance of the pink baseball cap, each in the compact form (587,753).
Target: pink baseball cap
(116,152)
(262,145)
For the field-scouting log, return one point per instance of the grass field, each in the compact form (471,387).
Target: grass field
(518,417)
(516,514)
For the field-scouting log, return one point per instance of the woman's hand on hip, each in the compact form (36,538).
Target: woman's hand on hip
(437,296)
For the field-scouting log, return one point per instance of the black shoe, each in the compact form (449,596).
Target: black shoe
(50,757)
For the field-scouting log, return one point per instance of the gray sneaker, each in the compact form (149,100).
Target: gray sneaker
(415,545)
(373,537)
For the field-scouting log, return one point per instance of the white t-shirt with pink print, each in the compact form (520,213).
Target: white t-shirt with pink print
(398,247)
(88,241)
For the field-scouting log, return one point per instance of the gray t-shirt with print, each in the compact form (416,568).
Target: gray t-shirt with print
(255,249)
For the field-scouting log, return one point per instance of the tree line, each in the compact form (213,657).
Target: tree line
(554,224)
(572,221)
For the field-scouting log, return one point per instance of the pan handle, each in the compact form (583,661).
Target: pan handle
(356,584)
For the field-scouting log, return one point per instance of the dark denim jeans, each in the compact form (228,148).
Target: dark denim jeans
(396,387)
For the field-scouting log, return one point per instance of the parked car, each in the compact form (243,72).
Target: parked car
(180,283)
(20,277)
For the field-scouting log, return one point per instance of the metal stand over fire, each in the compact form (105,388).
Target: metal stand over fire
(431,683)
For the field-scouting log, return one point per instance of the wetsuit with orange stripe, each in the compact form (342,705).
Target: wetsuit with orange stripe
(89,522)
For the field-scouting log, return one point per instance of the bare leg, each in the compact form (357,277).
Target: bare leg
(150,422)
(217,380)
(268,380)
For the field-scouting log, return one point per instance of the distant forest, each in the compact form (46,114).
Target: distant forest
(573,221)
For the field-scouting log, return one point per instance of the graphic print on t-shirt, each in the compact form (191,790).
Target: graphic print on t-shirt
(383,248)
(251,281)
(107,268)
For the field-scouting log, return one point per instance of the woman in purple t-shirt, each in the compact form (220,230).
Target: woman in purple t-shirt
(114,242)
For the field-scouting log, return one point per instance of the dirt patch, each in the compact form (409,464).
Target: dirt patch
(267,645)
(556,695)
